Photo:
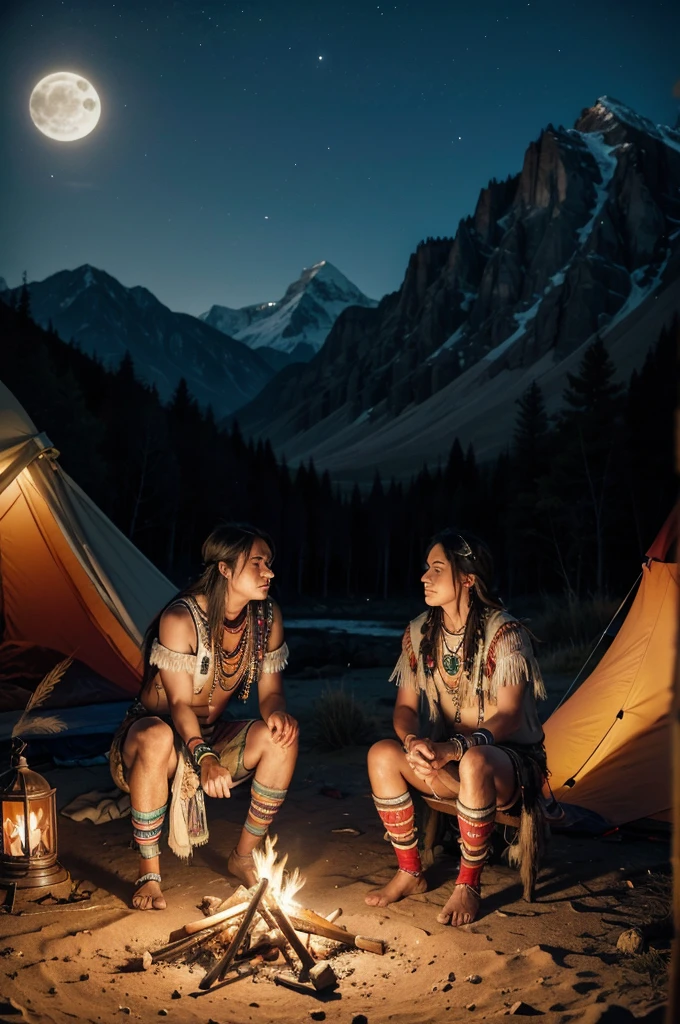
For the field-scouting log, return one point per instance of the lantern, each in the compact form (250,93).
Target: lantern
(28,816)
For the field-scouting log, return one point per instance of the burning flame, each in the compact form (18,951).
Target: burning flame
(269,866)
(15,834)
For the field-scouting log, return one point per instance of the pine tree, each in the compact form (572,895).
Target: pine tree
(530,435)
(592,392)
(24,301)
(526,465)
(585,473)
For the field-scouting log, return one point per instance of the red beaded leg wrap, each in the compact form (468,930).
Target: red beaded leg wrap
(476,825)
(398,817)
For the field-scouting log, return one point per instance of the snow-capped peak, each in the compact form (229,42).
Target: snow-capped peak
(616,121)
(609,108)
(299,322)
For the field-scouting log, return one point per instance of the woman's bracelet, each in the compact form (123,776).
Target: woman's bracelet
(482,738)
(460,744)
(201,751)
(407,737)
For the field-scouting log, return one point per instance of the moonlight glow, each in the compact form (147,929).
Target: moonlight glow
(65,106)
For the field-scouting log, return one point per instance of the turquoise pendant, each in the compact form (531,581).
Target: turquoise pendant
(451,663)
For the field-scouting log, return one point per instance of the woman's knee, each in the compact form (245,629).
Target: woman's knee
(475,764)
(383,754)
(151,738)
(261,739)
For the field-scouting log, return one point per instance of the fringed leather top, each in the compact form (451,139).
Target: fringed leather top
(505,658)
(201,664)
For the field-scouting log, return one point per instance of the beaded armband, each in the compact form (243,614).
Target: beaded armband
(482,738)
(201,751)
(460,743)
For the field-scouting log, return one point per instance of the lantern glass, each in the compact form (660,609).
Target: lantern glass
(28,823)
(39,821)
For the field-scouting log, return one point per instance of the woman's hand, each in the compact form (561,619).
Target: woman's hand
(426,757)
(421,753)
(215,780)
(283,728)
(444,753)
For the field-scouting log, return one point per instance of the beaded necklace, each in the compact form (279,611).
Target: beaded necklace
(249,652)
(234,625)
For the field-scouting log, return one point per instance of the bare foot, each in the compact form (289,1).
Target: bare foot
(403,884)
(149,897)
(242,866)
(462,907)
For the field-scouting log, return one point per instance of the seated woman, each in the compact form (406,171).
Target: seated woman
(213,641)
(473,666)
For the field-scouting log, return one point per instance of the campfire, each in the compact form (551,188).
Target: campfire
(264,927)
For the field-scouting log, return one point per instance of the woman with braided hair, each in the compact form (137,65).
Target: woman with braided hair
(472,665)
(213,641)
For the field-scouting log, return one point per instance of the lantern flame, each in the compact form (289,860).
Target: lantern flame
(15,834)
(268,865)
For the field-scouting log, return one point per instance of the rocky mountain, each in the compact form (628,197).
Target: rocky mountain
(105,319)
(294,328)
(581,240)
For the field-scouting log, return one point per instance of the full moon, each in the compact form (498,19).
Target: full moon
(65,106)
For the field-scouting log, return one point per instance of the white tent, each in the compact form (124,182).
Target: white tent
(69,579)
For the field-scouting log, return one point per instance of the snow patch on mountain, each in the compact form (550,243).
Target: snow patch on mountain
(611,112)
(610,108)
(522,320)
(605,158)
(643,282)
(450,343)
(300,321)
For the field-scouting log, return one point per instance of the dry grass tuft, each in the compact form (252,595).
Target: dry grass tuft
(654,963)
(340,720)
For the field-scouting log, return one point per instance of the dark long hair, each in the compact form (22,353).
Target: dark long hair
(227,543)
(468,555)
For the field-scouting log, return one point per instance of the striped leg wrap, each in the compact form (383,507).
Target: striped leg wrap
(476,825)
(264,803)
(398,817)
(146,830)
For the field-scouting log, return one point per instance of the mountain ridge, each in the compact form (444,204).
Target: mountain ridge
(567,247)
(297,325)
(106,319)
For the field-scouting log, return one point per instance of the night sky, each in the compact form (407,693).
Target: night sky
(241,142)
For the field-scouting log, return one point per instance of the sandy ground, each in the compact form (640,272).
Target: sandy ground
(557,956)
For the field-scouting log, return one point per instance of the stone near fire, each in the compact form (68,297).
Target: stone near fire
(520,1009)
(630,941)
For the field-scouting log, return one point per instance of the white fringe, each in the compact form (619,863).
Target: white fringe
(515,663)
(174,661)
(276,661)
(179,840)
(526,850)
(402,674)
(515,669)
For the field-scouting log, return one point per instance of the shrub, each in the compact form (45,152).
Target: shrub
(341,721)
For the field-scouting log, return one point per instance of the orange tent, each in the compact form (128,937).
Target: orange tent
(69,579)
(609,745)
